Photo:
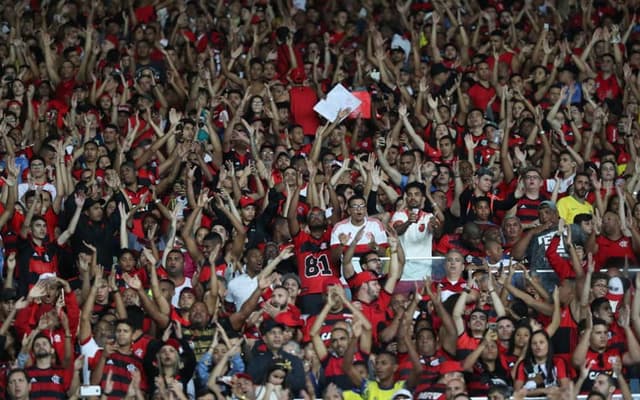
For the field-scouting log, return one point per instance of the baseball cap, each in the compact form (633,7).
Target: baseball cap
(173,343)
(242,375)
(90,202)
(402,392)
(484,171)
(362,278)
(548,204)
(268,325)
(246,201)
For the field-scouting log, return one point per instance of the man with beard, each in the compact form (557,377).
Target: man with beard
(576,203)
(415,228)
(369,296)
(332,357)
(118,360)
(312,255)
(47,380)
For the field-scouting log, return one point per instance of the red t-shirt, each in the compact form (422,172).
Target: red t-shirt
(314,265)
(481,95)
(613,248)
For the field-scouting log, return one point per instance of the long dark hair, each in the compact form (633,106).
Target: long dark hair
(512,339)
(530,362)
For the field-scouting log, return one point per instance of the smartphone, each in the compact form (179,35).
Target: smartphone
(491,325)
(546,27)
(90,391)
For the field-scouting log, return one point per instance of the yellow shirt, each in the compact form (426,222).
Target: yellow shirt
(374,392)
(569,207)
(350,395)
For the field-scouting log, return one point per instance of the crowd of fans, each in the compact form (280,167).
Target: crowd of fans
(177,222)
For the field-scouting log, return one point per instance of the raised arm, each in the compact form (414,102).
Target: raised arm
(64,236)
(458,311)
(448,338)
(347,266)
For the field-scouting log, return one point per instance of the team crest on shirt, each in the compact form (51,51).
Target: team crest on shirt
(323,246)
(57,338)
(624,243)
(56,379)
(484,142)
(131,368)
(110,362)
(138,352)
(421,227)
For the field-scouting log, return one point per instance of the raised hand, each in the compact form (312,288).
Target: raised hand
(38,290)
(132,281)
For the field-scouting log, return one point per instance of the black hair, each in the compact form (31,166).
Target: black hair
(529,363)
(523,324)
(388,353)
(135,316)
(18,371)
(356,197)
(580,218)
(124,321)
(597,303)
(363,258)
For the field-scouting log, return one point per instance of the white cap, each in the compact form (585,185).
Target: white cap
(402,392)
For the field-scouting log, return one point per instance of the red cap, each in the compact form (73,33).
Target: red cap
(450,366)
(173,343)
(242,375)
(247,201)
(623,158)
(362,278)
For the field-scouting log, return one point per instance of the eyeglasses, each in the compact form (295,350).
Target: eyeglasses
(358,206)
(536,177)
(375,260)
(37,164)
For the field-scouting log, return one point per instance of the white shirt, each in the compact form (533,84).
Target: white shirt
(417,241)
(25,187)
(373,232)
(240,289)
(176,294)
(564,184)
